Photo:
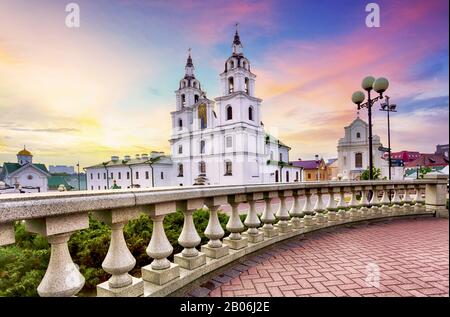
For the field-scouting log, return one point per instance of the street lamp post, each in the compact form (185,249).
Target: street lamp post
(388,108)
(78,174)
(379,85)
(318,167)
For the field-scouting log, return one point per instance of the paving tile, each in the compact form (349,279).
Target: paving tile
(337,263)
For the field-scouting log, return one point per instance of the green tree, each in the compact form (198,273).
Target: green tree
(424,170)
(23,265)
(375,171)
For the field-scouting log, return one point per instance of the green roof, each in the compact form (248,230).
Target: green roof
(55,180)
(270,138)
(12,167)
(158,160)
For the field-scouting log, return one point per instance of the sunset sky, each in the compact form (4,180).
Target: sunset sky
(107,88)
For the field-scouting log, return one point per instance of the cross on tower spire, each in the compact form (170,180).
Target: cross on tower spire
(189,62)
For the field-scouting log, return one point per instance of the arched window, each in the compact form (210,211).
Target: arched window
(180,149)
(230,85)
(180,170)
(202,147)
(296,177)
(196,98)
(247,85)
(195,84)
(229,113)
(202,116)
(287,176)
(276,176)
(202,167)
(231,64)
(180,124)
(358,160)
(228,168)
(244,64)
(183,100)
(358,135)
(250,113)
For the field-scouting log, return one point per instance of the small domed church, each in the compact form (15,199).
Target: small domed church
(25,175)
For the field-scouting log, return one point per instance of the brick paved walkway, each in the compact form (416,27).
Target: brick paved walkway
(411,255)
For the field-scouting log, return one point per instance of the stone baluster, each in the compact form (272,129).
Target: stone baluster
(364,202)
(375,202)
(407,201)
(268,217)
(190,258)
(331,205)
(308,211)
(419,206)
(161,270)
(319,207)
(296,210)
(7,235)
(353,204)
(62,277)
(395,208)
(235,241)
(214,232)
(252,221)
(343,215)
(385,200)
(119,260)
(282,213)
(436,194)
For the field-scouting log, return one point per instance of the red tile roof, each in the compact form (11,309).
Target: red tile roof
(428,160)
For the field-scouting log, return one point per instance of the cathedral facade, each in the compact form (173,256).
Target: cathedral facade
(213,142)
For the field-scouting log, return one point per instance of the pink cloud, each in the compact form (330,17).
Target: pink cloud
(304,82)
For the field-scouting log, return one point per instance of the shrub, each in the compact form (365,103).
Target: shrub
(23,265)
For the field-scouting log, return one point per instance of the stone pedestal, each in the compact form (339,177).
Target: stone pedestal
(297,223)
(215,253)
(270,232)
(190,263)
(309,221)
(160,277)
(135,289)
(342,216)
(254,238)
(419,208)
(236,244)
(364,212)
(395,210)
(374,211)
(331,216)
(354,214)
(284,227)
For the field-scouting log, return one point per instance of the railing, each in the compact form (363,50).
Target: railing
(58,215)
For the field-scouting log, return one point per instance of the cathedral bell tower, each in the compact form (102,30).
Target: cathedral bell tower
(189,90)
(237,76)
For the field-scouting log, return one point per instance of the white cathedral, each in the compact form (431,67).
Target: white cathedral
(213,142)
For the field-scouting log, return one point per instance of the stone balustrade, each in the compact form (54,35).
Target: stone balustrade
(276,212)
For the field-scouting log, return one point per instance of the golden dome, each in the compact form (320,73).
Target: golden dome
(25,152)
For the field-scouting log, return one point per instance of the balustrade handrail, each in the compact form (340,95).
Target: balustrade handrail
(56,216)
(15,207)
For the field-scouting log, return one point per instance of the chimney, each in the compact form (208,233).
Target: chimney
(114,158)
(126,158)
